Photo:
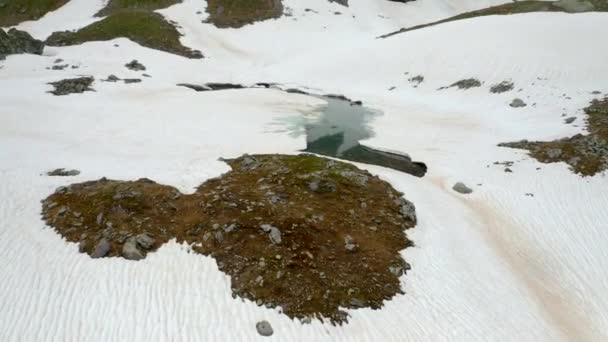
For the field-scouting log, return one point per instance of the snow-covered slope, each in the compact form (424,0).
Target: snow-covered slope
(497,265)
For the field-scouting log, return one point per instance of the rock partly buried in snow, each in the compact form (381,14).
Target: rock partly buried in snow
(16,42)
(112,78)
(466,84)
(310,249)
(264,328)
(130,250)
(462,188)
(101,249)
(135,66)
(502,87)
(63,173)
(72,86)
(517,103)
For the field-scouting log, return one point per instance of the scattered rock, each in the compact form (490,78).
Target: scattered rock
(144,240)
(130,251)
(112,78)
(132,80)
(135,66)
(517,103)
(63,173)
(322,186)
(72,86)
(502,87)
(17,42)
(466,83)
(273,233)
(264,328)
(554,153)
(416,80)
(570,120)
(101,249)
(461,188)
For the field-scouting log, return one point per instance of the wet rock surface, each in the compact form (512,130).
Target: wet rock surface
(586,154)
(72,86)
(282,243)
(14,41)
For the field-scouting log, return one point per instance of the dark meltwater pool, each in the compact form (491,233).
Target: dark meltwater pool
(338,131)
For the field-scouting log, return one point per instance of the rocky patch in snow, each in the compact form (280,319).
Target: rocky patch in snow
(305,233)
(72,86)
(16,42)
(63,173)
(135,66)
(502,87)
(587,154)
(465,84)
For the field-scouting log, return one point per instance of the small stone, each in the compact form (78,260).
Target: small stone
(112,78)
(101,249)
(322,186)
(554,153)
(99,219)
(264,328)
(396,270)
(135,65)
(570,120)
(130,250)
(517,103)
(349,243)
(461,188)
(357,303)
(144,240)
(131,80)
(273,233)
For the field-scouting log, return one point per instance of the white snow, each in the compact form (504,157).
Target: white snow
(495,265)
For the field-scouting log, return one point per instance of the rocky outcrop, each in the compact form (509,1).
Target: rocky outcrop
(16,42)
(299,232)
(72,86)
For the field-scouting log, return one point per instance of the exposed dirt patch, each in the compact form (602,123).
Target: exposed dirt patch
(586,154)
(238,13)
(302,232)
(12,12)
